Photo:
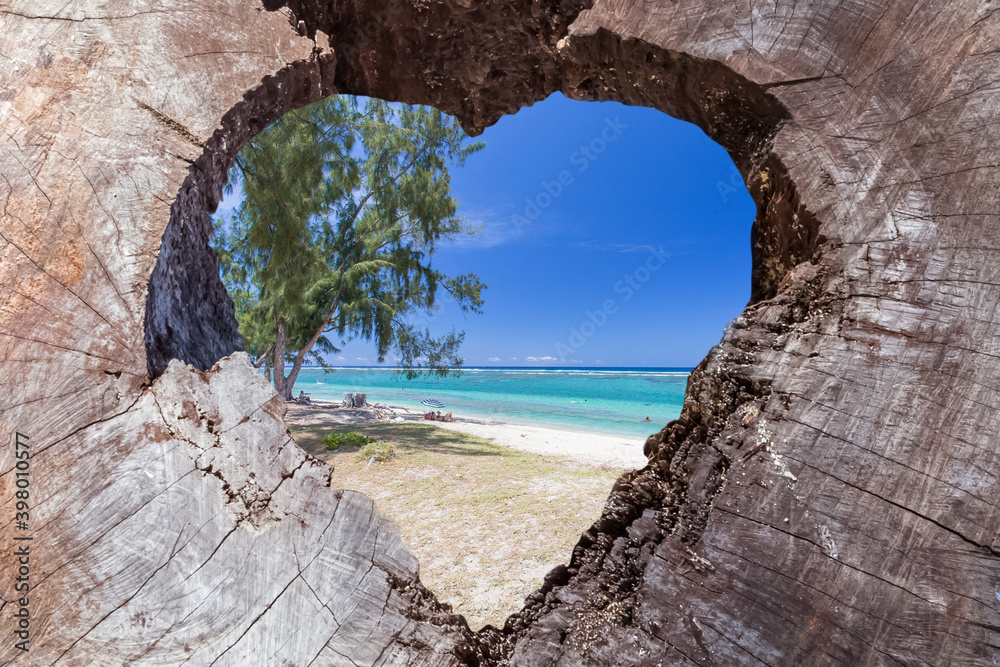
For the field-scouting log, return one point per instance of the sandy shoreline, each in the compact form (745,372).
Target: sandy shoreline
(588,448)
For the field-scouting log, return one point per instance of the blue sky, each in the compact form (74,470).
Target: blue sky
(609,236)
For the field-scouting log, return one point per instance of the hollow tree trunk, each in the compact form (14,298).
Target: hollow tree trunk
(829,494)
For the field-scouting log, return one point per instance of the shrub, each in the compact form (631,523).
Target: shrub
(335,440)
(381,452)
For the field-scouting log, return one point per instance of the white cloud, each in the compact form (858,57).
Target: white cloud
(512,359)
(489,230)
(540,359)
(361,359)
(341,358)
(494,359)
(622,247)
(501,225)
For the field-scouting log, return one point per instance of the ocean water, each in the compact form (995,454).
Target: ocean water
(611,401)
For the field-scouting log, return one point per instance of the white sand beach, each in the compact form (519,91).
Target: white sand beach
(592,449)
(488,508)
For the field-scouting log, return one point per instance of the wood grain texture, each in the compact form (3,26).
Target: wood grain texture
(174,522)
(828,495)
(832,483)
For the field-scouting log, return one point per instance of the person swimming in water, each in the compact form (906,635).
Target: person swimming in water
(646,419)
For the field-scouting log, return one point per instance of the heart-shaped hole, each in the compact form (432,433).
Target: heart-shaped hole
(604,231)
(189,317)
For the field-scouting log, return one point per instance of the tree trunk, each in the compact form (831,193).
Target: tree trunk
(828,495)
(293,375)
(289,382)
(279,361)
(264,358)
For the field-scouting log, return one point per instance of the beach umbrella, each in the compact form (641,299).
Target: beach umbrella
(432,403)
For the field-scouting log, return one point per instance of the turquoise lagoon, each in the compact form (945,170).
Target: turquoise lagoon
(610,401)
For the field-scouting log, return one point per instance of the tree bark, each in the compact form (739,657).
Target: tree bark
(289,382)
(264,358)
(280,385)
(828,496)
(293,375)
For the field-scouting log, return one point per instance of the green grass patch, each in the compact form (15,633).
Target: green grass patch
(334,441)
(487,522)
(378,451)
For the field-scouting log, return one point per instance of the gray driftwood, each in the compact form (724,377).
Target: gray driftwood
(829,494)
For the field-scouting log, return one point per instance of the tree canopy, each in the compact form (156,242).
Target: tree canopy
(343,208)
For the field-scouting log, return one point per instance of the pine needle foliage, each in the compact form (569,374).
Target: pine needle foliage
(343,206)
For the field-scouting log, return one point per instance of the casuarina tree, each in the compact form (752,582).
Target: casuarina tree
(342,209)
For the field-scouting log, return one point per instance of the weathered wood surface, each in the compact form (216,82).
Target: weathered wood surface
(173,523)
(828,496)
(830,493)
(191,529)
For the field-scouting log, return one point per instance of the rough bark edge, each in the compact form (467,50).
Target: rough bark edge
(672,497)
(189,316)
(670,500)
